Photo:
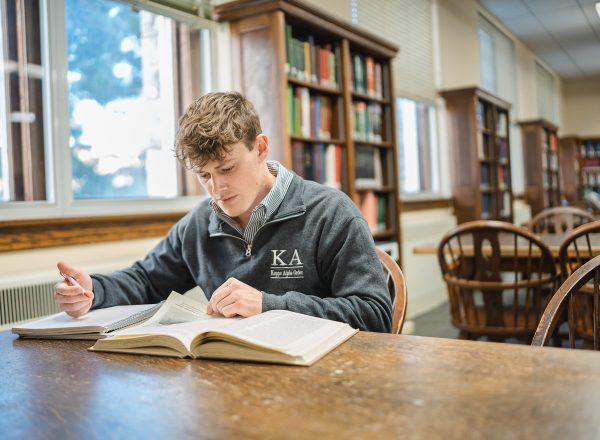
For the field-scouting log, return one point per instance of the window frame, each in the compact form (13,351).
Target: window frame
(60,220)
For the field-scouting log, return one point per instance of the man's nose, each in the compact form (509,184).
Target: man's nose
(219,182)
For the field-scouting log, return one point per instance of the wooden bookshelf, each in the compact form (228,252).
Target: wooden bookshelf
(570,171)
(579,167)
(478,129)
(541,156)
(323,89)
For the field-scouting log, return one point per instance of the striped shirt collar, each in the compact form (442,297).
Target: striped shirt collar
(265,209)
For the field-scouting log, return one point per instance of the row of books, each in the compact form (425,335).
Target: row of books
(373,208)
(550,180)
(590,149)
(367,75)
(308,61)
(502,124)
(483,119)
(319,162)
(481,110)
(489,208)
(367,121)
(549,160)
(310,115)
(591,178)
(484,147)
(502,176)
(501,147)
(587,162)
(550,141)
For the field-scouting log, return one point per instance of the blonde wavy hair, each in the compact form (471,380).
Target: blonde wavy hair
(213,123)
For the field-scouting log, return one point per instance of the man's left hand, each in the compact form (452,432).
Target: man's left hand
(234,298)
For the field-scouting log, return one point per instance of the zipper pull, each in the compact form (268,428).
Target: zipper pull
(249,250)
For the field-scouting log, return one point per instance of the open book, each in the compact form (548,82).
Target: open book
(100,323)
(276,336)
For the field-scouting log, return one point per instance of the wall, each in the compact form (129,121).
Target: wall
(426,288)
(582,108)
(39,265)
(458,43)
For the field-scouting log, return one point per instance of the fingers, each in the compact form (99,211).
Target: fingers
(64,267)
(235,298)
(74,305)
(73,295)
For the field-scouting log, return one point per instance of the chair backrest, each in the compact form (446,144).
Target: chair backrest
(577,248)
(584,281)
(396,287)
(559,220)
(498,277)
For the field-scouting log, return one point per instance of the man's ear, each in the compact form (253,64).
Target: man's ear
(262,145)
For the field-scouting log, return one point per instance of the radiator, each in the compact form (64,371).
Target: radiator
(23,302)
(23,298)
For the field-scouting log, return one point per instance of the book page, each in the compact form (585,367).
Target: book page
(282,330)
(177,309)
(95,320)
(184,331)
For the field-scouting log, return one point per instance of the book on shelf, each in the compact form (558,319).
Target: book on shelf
(369,170)
(310,115)
(484,174)
(480,115)
(367,121)
(275,336)
(502,124)
(373,209)
(101,323)
(486,205)
(307,60)
(319,162)
(366,75)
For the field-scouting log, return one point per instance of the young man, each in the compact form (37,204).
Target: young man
(265,239)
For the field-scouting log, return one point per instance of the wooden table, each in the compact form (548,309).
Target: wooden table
(553,241)
(374,386)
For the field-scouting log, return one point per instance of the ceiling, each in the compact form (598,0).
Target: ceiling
(565,34)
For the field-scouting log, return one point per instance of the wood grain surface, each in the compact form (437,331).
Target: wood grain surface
(373,386)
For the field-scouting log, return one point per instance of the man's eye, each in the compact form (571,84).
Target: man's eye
(227,170)
(204,176)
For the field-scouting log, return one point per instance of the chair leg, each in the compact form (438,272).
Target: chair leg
(464,335)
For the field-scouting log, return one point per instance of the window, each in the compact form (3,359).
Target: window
(22,123)
(545,93)
(90,129)
(417,148)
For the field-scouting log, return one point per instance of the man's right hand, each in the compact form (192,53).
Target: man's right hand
(72,299)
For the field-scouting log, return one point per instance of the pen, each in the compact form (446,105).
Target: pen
(71,280)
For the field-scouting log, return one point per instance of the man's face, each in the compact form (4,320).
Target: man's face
(238,183)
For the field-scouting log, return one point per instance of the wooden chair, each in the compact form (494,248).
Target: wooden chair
(396,287)
(577,248)
(498,277)
(559,220)
(583,281)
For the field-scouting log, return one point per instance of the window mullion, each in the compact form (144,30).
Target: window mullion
(57,108)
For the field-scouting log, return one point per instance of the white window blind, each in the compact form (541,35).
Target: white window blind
(407,23)
(545,93)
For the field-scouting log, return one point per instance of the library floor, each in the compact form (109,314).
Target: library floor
(435,323)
